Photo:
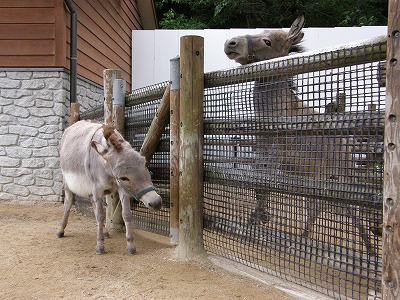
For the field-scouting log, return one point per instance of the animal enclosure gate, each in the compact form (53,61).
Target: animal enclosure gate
(293,167)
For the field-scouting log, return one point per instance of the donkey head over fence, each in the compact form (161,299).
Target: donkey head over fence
(305,156)
(267,45)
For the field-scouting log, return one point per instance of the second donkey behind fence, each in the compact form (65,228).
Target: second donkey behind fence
(320,157)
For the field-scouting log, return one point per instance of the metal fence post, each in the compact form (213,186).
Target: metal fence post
(191,147)
(113,212)
(118,101)
(391,203)
(174,150)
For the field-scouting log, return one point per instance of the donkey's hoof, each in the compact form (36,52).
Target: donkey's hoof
(106,235)
(60,234)
(100,250)
(131,250)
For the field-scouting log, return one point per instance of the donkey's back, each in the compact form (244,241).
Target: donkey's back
(76,155)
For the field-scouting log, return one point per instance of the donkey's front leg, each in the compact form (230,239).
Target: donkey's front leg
(128,220)
(97,203)
(313,210)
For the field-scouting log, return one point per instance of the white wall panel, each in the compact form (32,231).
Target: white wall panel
(153,49)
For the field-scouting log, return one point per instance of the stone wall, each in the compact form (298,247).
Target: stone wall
(34,108)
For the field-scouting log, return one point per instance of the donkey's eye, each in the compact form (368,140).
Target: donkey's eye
(268,43)
(124,178)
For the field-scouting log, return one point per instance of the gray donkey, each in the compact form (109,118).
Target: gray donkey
(97,161)
(306,156)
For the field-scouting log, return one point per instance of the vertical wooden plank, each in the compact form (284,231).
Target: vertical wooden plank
(174,150)
(113,211)
(391,205)
(108,78)
(191,147)
(73,113)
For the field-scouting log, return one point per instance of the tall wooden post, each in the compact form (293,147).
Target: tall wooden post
(174,150)
(191,147)
(108,78)
(391,204)
(113,212)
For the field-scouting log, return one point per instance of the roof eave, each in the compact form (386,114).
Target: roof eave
(147,13)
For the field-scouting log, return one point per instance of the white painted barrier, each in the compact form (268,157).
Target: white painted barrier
(152,49)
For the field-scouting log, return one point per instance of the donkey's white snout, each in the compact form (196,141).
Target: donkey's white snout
(153,201)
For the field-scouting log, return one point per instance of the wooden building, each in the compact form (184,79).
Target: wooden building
(35,33)
(36,87)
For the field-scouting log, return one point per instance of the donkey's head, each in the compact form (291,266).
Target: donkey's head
(267,45)
(128,168)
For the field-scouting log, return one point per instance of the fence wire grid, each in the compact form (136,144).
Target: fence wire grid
(140,109)
(293,167)
(293,164)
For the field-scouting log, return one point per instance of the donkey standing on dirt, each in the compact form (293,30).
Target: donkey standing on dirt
(97,161)
(309,156)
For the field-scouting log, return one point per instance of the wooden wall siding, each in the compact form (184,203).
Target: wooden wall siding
(35,33)
(27,33)
(105,37)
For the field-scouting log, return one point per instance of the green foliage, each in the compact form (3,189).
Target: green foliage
(174,20)
(200,14)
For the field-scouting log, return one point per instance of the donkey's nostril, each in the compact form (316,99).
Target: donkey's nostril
(156,205)
(232,43)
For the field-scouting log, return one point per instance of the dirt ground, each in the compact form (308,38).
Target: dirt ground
(35,264)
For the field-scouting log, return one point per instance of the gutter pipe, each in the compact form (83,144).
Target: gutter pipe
(73,51)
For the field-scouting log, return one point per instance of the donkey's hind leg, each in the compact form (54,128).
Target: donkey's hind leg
(261,212)
(68,201)
(354,213)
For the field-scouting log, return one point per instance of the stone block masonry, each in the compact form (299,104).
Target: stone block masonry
(34,108)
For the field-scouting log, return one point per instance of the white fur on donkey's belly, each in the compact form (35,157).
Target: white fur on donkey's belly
(78,184)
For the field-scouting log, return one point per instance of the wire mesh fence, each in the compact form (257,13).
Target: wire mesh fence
(141,107)
(293,167)
(293,156)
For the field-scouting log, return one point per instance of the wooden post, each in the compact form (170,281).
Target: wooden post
(391,202)
(174,150)
(191,147)
(157,127)
(113,212)
(341,102)
(74,113)
(108,78)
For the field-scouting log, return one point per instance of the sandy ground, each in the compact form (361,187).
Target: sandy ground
(35,264)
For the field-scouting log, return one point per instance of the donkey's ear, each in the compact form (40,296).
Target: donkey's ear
(295,33)
(100,149)
(298,38)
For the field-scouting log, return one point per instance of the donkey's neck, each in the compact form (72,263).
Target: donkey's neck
(278,98)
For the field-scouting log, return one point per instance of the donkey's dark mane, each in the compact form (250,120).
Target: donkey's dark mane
(112,137)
